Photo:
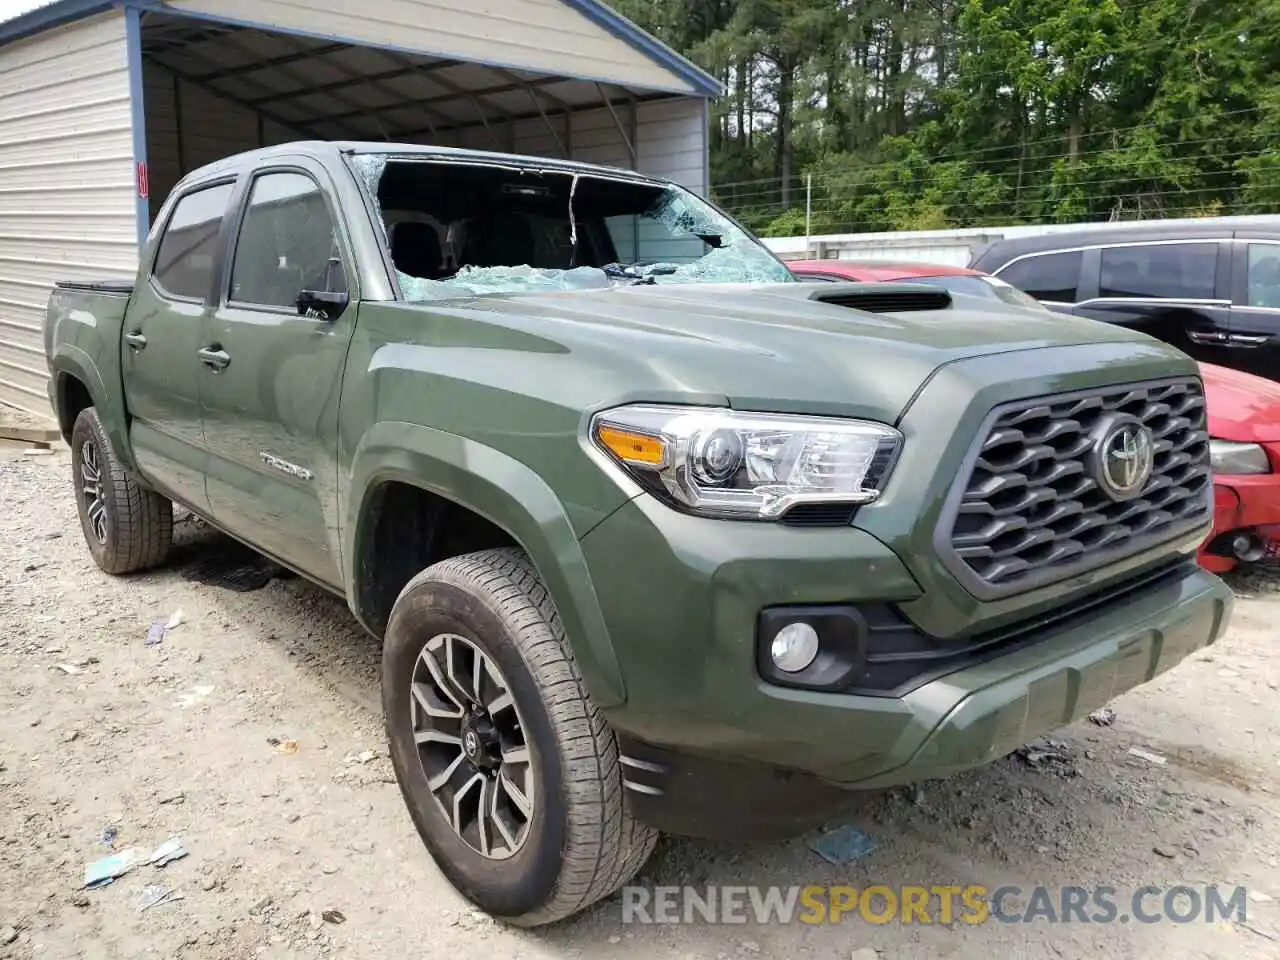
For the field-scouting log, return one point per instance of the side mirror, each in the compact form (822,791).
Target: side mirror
(321,304)
(335,277)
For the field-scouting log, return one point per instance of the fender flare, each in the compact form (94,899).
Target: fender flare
(511,496)
(72,361)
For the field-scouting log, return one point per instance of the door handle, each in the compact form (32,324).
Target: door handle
(215,358)
(136,340)
(1201,336)
(1246,340)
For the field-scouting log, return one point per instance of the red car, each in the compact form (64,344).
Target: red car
(1244,422)
(956,279)
(1244,415)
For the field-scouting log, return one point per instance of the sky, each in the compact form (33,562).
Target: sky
(12,8)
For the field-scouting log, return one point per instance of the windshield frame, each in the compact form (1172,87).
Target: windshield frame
(367,187)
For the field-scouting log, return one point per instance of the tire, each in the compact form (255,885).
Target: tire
(580,842)
(127,528)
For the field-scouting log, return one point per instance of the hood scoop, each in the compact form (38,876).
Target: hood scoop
(883,297)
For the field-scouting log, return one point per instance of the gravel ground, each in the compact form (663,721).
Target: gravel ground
(192,737)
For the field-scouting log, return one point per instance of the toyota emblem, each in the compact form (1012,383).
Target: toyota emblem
(1125,459)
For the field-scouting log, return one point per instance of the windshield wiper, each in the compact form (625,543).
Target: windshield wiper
(636,273)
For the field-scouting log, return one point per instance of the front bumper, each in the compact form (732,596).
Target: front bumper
(1008,701)
(683,627)
(681,597)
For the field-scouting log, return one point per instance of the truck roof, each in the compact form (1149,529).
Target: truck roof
(333,148)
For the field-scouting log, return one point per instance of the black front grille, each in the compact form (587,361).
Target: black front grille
(1029,509)
(900,658)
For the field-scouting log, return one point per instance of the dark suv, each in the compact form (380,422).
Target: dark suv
(1214,292)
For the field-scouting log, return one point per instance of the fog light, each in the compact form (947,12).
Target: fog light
(794,647)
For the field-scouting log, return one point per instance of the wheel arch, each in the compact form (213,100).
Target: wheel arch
(502,493)
(76,379)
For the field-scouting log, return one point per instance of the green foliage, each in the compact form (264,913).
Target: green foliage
(921,114)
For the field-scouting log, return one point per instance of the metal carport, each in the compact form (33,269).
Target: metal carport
(105,104)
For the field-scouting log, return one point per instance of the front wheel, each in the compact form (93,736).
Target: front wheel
(127,527)
(508,769)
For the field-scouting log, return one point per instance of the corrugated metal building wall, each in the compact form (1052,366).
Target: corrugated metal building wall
(96,93)
(66,183)
(668,135)
(545,35)
(176,145)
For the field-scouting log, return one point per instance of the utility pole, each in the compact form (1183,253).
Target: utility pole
(808,212)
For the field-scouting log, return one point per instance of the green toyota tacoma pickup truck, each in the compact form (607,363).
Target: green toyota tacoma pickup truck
(655,537)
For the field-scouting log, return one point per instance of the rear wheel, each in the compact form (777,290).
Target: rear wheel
(127,527)
(509,771)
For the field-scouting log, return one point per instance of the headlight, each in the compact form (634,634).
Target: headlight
(753,466)
(1229,457)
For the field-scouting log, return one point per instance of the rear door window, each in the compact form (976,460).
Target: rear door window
(1177,271)
(1263,275)
(184,262)
(1046,276)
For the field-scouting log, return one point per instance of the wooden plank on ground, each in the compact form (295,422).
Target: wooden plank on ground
(38,435)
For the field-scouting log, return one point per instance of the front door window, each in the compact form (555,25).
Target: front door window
(287,244)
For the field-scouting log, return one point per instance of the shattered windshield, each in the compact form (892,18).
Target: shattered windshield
(461,229)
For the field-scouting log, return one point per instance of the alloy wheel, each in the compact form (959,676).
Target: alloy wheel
(471,744)
(95,505)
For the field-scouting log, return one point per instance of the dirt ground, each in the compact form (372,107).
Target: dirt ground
(101,732)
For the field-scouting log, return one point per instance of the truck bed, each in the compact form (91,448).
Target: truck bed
(82,338)
(113,288)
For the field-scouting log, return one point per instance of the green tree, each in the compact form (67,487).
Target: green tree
(911,113)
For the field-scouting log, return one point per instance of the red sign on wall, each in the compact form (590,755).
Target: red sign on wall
(143,186)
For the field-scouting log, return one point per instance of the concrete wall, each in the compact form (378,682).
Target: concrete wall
(954,247)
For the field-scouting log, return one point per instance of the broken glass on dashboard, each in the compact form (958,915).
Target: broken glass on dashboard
(458,229)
